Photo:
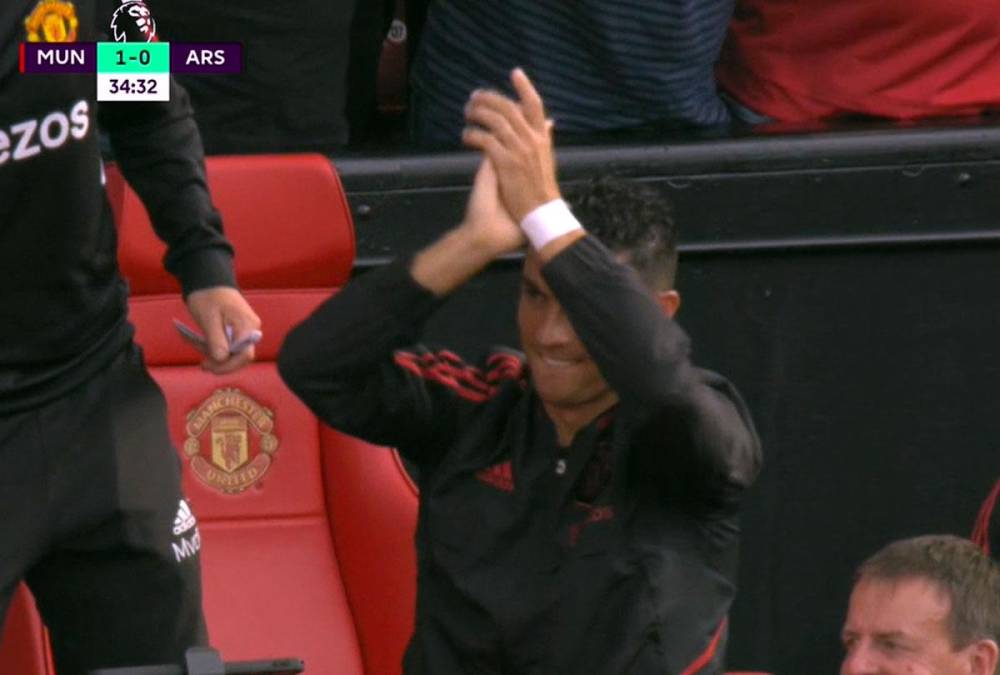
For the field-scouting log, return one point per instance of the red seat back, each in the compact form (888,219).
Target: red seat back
(24,647)
(286,215)
(272,580)
(373,507)
(288,544)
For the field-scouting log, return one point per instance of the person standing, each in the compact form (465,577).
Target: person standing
(90,483)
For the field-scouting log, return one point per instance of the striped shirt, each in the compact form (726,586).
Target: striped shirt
(599,64)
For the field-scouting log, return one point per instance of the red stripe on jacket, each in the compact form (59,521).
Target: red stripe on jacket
(469,382)
(981,533)
(706,656)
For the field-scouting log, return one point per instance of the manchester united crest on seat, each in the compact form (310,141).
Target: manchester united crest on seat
(231,441)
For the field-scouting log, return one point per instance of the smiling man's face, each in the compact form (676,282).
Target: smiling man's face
(563,374)
(900,628)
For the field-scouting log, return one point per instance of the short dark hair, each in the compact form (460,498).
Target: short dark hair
(630,218)
(958,568)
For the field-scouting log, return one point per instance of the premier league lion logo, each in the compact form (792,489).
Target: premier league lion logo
(133,22)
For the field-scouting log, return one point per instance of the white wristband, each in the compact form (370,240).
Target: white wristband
(547,222)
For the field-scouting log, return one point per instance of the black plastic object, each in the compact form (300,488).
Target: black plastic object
(208,661)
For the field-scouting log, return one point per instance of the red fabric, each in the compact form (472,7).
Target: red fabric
(981,529)
(800,60)
(273,588)
(286,215)
(315,560)
(271,575)
(24,648)
(373,513)
(153,318)
(469,382)
(706,656)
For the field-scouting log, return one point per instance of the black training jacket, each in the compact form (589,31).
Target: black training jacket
(62,300)
(614,555)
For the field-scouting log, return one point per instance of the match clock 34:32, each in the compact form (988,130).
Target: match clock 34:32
(133,71)
(135,85)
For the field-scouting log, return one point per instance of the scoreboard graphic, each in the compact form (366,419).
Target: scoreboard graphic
(131,71)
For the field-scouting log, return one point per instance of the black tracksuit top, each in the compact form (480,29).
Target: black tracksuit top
(63,307)
(614,555)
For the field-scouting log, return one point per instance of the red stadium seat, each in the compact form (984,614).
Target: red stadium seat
(315,558)
(24,647)
(374,521)
(306,534)
(294,201)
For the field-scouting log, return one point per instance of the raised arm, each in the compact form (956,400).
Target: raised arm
(696,430)
(350,361)
(486,233)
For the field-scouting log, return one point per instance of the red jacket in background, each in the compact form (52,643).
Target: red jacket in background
(799,60)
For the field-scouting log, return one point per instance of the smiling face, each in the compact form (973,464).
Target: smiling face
(563,374)
(900,628)
(566,378)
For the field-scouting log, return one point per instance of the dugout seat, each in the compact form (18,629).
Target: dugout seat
(306,534)
(314,558)
(24,647)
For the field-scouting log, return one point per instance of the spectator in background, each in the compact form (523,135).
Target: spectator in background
(901,59)
(599,65)
(292,94)
(383,38)
(928,605)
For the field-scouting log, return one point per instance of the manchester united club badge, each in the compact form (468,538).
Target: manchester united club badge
(231,441)
(52,21)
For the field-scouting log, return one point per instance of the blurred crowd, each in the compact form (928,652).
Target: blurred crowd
(328,75)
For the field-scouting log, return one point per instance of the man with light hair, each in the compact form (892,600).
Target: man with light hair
(924,606)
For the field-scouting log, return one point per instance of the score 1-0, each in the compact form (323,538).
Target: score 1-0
(133,71)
